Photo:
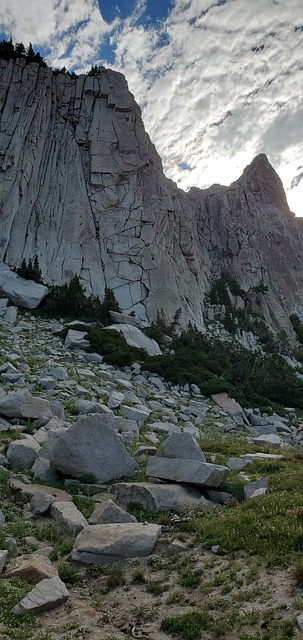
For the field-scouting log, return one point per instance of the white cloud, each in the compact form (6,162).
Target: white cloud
(73,30)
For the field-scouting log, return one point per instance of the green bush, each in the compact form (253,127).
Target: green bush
(251,377)
(112,345)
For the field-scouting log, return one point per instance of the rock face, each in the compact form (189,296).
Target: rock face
(82,187)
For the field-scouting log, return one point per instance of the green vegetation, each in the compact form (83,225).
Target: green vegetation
(9,51)
(17,627)
(70,300)
(253,378)
(160,328)
(112,345)
(189,625)
(68,572)
(271,527)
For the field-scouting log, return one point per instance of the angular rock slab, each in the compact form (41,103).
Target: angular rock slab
(46,595)
(136,338)
(33,489)
(23,293)
(108,512)
(32,568)
(107,543)
(91,446)
(68,517)
(157,497)
(21,404)
(181,446)
(188,471)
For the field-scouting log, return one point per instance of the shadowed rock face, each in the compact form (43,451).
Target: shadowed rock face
(82,187)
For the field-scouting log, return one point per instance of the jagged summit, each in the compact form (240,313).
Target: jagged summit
(82,188)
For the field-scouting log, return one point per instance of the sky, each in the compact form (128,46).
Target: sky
(218,81)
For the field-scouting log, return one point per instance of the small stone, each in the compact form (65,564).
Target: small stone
(3,556)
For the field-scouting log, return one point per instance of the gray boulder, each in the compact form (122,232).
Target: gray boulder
(68,517)
(76,340)
(107,543)
(21,404)
(181,446)
(22,453)
(191,472)
(22,293)
(139,413)
(157,497)
(256,489)
(46,595)
(108,512)
(40,503)
(42,470)
(91,446)
(269,440)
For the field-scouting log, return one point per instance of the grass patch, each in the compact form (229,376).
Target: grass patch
(189,625)
(271,527)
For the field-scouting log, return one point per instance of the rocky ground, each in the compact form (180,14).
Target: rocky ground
(65,493)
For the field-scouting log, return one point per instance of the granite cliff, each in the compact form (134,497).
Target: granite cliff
(82,187)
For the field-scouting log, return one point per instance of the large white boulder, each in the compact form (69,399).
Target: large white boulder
(21,292)
(136,338)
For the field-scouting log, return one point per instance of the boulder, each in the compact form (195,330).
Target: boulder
(107,543)
(269,440)
(76,340)
(21,404)
(192,472)
(157,497)
(231,406)
(136,338)
(138,413)
(91,446)
(86,406)
(46,595)
(40,503)
(108,512)
(31,567)
(68,518)
(123,318)
(22,293)
(22,453)
(256,489)
(42,470)
(181,446)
